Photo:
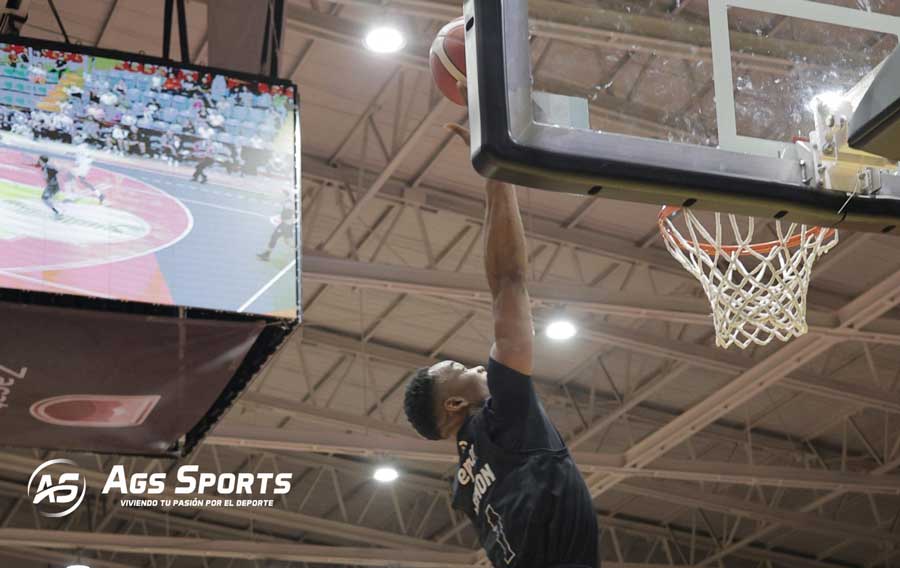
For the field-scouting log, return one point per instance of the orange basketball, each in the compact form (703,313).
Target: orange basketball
(448,59)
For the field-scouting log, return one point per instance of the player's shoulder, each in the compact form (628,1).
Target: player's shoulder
(496,368)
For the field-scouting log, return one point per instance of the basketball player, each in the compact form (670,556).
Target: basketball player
(203,151)
(516,481)
(51,184)
(169,144)
(82,167)
(283,230)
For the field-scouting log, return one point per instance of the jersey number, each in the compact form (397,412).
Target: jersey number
(496,523)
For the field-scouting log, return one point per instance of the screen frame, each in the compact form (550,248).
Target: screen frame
(508,144)
(154,60)
(276,330)
(141,58)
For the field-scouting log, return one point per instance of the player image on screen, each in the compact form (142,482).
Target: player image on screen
(121,142)
(51,184)
(78,174)
(284,230)
(169,146)
(203,152)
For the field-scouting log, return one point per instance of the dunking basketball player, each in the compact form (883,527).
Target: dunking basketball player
(51,184)
(516,481)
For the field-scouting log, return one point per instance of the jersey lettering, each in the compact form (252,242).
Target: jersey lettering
(496,524)
(482,477)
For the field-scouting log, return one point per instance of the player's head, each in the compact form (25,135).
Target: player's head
(440,397)
(43,160)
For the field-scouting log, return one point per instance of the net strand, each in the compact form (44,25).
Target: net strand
(757,294)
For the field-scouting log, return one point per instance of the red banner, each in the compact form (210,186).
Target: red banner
(74,379)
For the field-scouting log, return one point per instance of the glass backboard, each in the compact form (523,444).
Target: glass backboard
(706,103)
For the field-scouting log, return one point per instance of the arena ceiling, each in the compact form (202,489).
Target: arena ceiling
(781,456)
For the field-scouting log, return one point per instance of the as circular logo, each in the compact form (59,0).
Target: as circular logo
(56,488)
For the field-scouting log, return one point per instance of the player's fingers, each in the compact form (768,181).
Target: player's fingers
(459,131)
(463,89)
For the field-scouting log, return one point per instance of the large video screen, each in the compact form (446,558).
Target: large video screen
(125,178)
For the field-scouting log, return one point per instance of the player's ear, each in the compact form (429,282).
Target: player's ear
(454,404)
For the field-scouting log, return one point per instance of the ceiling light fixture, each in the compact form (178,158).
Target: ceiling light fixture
(385,474)
(832,100)
(561,329)
(385,39)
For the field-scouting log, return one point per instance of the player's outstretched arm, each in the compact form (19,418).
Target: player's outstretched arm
(506,266)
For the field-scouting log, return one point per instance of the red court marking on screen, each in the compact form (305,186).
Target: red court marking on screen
(92,250)
(139,279)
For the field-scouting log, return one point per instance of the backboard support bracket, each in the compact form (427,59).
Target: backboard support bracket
(723,74)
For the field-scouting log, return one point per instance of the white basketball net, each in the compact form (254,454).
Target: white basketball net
(757,292)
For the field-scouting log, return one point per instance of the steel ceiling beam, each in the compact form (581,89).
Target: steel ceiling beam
(292,521)
(387,171)
(165,521)
(644,529)
(676,309)
(57,558)
(337,420)
(347,34)
(628,304)
(688,537)
(813,505)
(106,20)
(407,358)
(338,31)
(329,441)
(865,308)
(722,504)
(547,389)
(540,226)
(371,109)
(196,523)
(363,470)
(595,26)
(357,423)
(247,550)
(374,443)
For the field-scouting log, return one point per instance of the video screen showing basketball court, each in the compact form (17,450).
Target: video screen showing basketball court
(150,183)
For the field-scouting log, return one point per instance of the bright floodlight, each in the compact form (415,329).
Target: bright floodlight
(831,100)
(78,566)
(385,474)
(385,39)
(561,329)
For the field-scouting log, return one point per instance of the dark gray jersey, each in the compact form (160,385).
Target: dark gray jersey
(518,484)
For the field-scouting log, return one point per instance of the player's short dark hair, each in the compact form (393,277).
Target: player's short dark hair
(44,159)
(419,404)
